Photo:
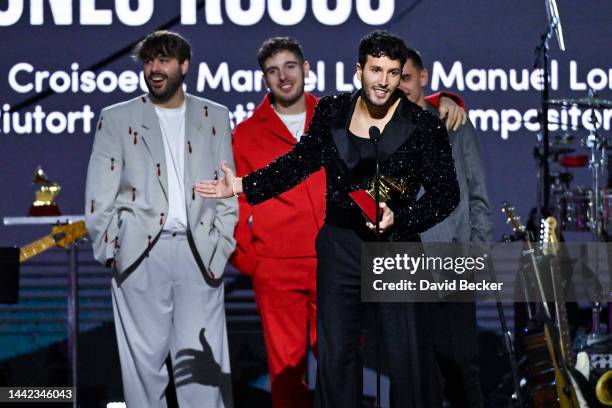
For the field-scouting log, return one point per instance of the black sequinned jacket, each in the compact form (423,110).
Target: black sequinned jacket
(413,148)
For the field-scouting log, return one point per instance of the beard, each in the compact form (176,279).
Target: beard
(367,93)
(375,103)
(288,100)
(173,83)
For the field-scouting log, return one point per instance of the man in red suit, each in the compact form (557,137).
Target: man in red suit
(276,239)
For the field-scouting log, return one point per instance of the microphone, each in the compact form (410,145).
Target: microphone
(374,134)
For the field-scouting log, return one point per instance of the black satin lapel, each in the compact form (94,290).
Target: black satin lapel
(397,131)
(340,122)
(349,155)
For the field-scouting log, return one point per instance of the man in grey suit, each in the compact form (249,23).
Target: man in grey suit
(167,246)
(455,338)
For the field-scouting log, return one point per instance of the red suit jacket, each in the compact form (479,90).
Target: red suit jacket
(285,226)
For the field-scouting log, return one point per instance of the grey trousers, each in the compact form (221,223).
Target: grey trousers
(165,307)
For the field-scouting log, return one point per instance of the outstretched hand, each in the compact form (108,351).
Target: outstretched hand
(218,188)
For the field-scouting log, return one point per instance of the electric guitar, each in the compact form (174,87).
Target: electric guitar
(61,235)
(563,395)
(550,248)
(550,245)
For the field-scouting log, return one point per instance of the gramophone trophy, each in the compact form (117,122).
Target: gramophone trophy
(44,205)
(365,199)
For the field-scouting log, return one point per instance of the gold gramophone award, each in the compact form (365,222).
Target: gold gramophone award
(366,200)
(44,205)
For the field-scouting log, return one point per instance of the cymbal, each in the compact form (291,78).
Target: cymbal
(588,102)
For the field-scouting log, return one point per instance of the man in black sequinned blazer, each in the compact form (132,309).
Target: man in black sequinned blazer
(414,148)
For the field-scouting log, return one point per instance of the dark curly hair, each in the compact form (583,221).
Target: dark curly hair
(382,43)
(276,44)
(162,43)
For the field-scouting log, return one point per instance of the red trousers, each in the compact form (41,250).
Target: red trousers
(285,292)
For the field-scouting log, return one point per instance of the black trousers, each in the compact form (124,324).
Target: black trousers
(406,339)
(456,349)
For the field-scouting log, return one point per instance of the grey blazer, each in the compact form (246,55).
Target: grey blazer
(126,192)
(471,220)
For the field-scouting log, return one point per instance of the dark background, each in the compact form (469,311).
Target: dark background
(480,34)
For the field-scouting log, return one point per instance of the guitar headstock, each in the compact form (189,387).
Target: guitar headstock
(66,234)
(548,236)
(512,219)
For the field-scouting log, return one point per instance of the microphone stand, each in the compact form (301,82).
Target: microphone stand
(541,60)
(508,342)
(544,168)
(375,136)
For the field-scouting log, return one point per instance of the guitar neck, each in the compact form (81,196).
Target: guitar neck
(538,277)
(564,334)
(36,248)
(556,276)
(561,312)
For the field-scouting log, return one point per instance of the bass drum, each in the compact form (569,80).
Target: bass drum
(574,208)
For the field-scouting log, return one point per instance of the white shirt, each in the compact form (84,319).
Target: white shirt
(295,123)
(172,124)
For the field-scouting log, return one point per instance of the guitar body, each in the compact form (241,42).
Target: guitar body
(565,391)
(551,382)
(540,369)
(548,385)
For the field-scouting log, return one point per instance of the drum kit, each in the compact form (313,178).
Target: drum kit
(583,208)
